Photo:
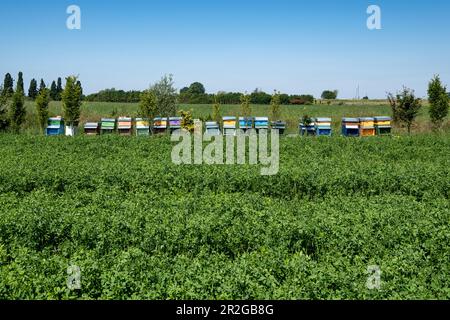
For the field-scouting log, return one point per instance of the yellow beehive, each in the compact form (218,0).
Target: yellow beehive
(142,123)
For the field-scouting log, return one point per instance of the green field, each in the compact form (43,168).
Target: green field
(140,227)
(93,111)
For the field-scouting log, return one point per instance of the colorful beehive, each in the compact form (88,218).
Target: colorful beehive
(108,125)
(323,126)
(212,128)
(350,127)
(261,123)
(308,130)
(366,127)
(174,123)
(160,125)
(55,126)
(142,127)
(245,123)
(124,126)
(91,128)
(229,126)
(383,125)
(279,125)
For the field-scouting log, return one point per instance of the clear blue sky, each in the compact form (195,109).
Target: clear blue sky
(293,46)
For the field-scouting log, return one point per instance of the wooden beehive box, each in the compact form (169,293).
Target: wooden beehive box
(108,125)
(55,126)
(142,127)
(367,127)
(261,123)
(124,126)
(246,123)
(174,123)
(279,125)
(229,126)
(307,130)
(350,127)
(383,125)
(323,126)
(212,128)
(91,128)
(160,125)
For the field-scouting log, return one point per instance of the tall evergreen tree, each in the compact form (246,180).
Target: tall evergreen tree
(59,88)
(42,85)
(8,86)
(71,98)
(32,91)
(53,91)
(4,121)
(17,111)
(20,85)
(439,101)
(42,101)
(81,88)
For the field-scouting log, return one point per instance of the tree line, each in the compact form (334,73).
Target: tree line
(55,89)
(196,94)
(12,101)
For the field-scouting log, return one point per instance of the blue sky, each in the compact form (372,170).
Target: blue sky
(293,46)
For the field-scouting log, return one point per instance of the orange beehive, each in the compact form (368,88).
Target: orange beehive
(367,127)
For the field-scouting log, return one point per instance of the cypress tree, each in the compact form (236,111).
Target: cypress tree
(42,101)
(32,91)
(8,86)
(53,91)
(71,98)
(59,89)
(17,111)
(42,85)
(20,86)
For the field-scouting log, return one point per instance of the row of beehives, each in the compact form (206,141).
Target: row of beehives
(125,125)
(319,126)
(351,127)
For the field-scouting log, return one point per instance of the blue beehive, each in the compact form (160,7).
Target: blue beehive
(307,130)
(246,123)
(261,123)
(279,125)
(55,126)
(323,126)
(350,127)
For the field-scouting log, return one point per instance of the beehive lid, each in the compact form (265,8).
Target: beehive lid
(383,118)
(211,124)
(350,120)
(323,120)
(229,118)
(91,125)
(366,119)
